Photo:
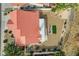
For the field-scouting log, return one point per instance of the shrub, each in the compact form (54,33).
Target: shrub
(10,31)
(5,31)
(5,41)
(12,50)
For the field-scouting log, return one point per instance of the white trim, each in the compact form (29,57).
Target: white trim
(42,31)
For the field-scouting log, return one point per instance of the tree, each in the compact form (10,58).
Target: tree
(5,41)
(5,31)
(30,50)
(11,50)
(8,10)
(37,47)
(43,49)
(10,31)
(53,9)
(12,36)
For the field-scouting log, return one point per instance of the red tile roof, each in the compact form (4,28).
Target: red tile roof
(25,27)
(9,22)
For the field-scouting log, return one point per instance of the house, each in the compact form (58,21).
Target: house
(26,27)
(35,27)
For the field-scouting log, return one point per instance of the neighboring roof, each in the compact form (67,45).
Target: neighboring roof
(26,27)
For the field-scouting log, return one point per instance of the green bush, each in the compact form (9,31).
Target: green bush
(62,6)
(59,53)
(11,50)
(5,31)
(5,41)
(8,10)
